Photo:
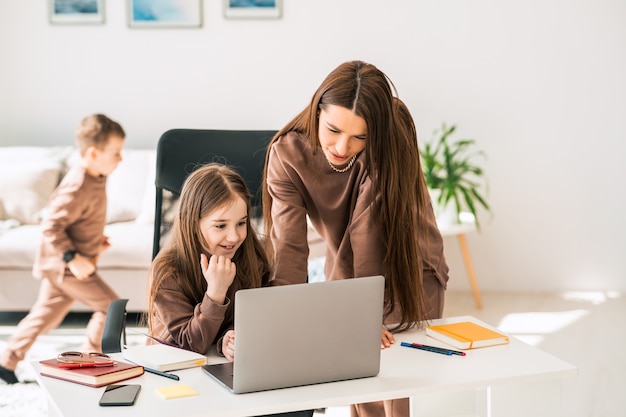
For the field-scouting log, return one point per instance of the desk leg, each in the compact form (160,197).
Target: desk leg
(470,269)
(536,399)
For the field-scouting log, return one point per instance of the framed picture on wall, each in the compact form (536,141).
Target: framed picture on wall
(164,13)
(76,11)
(252,9)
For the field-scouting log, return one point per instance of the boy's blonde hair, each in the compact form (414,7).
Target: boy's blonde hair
(95,130)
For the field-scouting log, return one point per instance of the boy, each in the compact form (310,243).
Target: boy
(73,237)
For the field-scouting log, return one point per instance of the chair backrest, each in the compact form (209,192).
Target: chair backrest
(181,151)
(114,334)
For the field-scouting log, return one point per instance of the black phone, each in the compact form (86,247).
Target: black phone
(119,395)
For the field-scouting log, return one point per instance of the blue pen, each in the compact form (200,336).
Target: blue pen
(434,349)
(165,374)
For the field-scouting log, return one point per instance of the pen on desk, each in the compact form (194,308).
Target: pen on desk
(165,374)
(85,365)
(426,348)
(434,349)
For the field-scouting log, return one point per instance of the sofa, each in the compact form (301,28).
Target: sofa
(28,175)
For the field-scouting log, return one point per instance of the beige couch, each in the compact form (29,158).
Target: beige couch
(28,175)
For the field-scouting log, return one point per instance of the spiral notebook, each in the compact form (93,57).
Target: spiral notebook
(304,334)
(163,357)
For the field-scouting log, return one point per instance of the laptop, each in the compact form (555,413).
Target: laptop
(304,334)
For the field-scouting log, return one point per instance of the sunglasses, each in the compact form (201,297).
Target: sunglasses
(69,360)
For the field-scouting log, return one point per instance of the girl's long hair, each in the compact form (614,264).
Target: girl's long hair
(399,194)
(208,188)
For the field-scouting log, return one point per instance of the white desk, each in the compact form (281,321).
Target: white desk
(509,380)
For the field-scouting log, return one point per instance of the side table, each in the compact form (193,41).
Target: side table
(460,230)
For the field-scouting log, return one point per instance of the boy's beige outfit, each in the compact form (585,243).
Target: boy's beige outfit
(73,221)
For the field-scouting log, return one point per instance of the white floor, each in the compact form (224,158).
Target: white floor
(584,329)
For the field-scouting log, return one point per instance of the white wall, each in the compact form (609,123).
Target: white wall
(540,84)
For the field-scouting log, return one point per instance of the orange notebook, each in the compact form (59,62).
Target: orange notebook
(466,335)
(93,377)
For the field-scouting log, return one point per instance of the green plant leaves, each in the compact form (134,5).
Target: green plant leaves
(450,167)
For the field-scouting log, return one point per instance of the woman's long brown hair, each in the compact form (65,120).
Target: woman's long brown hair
(209,187)
(399,195)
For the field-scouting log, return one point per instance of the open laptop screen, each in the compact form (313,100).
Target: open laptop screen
(306,334)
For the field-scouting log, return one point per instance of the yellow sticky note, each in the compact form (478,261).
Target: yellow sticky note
(176,391)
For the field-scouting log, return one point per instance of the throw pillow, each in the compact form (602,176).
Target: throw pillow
(28,175)
(146,215)
(128,184)
(25,189)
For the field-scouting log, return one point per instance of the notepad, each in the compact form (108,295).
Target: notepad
(163,358)
(466,335)
(175,391)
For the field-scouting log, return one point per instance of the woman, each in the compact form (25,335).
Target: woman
(350,162)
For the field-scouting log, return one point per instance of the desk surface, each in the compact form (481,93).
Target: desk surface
(404,372)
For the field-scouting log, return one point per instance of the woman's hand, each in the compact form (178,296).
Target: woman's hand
(228,345)
(219,273)
(387,339)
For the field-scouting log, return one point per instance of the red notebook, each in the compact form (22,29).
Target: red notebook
(93,377)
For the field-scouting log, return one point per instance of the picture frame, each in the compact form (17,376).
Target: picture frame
(253,9)
(164,13)
(76,11)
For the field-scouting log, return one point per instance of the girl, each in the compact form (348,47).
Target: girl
(212,252)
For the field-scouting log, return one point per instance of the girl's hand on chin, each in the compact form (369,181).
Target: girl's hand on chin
(219,273)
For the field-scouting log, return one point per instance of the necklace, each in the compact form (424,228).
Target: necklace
(346,168)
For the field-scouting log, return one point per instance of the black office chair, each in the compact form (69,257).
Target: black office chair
(114,335)
(181,151)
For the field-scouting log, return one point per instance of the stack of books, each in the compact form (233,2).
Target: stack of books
(98,376)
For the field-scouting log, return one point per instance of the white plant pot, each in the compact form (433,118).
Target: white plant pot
(446,215)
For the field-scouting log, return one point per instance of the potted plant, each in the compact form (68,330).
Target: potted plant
(452,175)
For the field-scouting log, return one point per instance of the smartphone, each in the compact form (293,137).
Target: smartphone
(119,395)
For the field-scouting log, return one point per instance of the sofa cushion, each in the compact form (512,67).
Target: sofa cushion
(18,246)
(128,184)
(131,246)
(146,214)
(28,176)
